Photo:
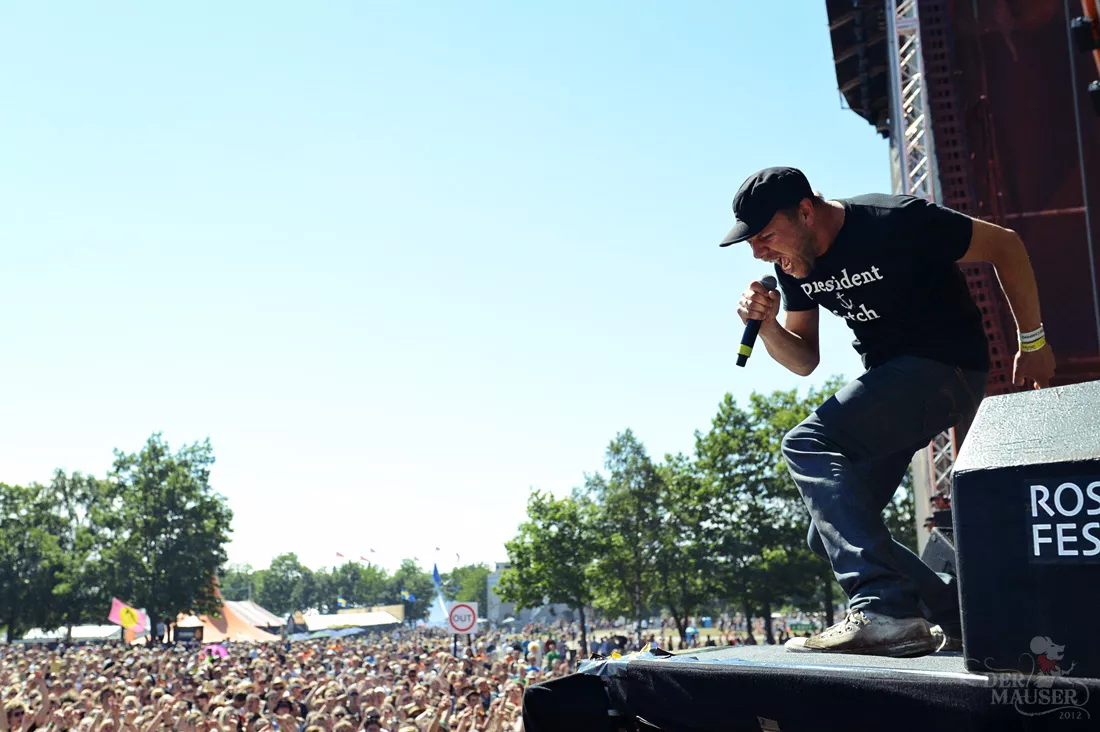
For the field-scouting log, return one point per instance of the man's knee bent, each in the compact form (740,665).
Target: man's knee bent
(813,538)
(792,442)
(801,439)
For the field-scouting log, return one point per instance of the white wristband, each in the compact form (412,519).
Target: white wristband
(1033,335)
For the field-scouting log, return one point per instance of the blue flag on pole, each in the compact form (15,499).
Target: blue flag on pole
(439,592)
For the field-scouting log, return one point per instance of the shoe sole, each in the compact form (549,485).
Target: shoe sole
(904,649)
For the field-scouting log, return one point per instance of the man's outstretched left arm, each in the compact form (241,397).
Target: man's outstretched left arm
(1004,249)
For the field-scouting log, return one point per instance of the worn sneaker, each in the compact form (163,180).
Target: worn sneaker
(796,644)
(873,634)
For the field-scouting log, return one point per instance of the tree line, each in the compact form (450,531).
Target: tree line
(153,533)
(287,586)
(690,535)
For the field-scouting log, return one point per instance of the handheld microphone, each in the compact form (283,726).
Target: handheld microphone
(753,327)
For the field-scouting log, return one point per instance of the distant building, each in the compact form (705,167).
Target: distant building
(498,610)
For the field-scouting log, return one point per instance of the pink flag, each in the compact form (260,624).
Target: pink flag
(128,617)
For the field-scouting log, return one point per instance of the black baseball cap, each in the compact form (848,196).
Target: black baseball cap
(763,195)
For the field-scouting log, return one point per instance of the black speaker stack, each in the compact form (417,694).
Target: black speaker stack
(1026,504)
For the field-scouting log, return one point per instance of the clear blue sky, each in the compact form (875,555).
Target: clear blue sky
(400,261)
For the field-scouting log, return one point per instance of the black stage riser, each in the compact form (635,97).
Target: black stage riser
(1029,581)
(767,689)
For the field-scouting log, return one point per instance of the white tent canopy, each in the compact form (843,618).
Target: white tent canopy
(350,620)
(437,613)
(255,615)
(80,633)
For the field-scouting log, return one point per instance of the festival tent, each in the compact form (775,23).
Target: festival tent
(398,610)
(437,613)
(350,620)
(234,624)
(256,616)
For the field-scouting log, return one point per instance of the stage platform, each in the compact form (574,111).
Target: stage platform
(768,689)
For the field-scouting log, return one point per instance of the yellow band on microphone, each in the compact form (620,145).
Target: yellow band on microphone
(744,350)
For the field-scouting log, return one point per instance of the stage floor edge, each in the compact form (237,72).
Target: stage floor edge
(770,689)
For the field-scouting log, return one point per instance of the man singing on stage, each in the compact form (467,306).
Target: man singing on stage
(888,266)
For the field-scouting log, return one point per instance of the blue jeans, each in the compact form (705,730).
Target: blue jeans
(848,459)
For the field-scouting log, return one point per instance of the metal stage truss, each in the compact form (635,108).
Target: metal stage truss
(916,174)
(911,131)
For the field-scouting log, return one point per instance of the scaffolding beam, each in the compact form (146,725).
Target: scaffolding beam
(915,174)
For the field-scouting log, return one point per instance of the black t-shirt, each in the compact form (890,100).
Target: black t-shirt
(891,273)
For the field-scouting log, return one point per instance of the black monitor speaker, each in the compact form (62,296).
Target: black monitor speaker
(1026,500)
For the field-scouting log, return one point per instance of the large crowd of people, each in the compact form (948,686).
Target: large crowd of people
(405,681)
(408,680)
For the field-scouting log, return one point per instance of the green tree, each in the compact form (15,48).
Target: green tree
(237,582)
(32,562)
(629,524)
(760,522)
(796,571)
(358,584)
(733,460)
(373,586)
(344,583)
(409,576)
(310,590)
(318,587)
(683,558)
(80,596)
(551,556)
(166,529)
(280,588)
(469,583)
